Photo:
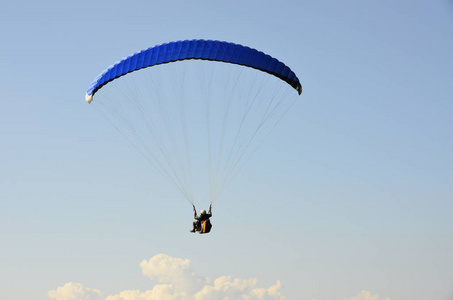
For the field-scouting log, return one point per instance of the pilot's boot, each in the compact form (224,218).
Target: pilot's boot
(194,227)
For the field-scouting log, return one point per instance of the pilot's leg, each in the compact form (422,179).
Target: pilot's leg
(194,226)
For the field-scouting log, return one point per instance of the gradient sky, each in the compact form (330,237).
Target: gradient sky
(354,191)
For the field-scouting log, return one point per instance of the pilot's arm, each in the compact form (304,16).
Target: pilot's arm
(194,212)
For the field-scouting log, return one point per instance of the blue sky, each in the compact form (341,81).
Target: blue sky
(352,193)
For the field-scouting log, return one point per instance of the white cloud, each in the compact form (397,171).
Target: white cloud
(366,295)
(176,271)
(159,292)
(177,281)
(74,291)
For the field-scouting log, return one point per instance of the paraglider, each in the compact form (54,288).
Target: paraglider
(202,224)
(196,109)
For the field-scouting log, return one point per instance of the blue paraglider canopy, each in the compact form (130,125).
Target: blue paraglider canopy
(195,49)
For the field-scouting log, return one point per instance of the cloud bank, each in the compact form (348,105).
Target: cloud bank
(177,281)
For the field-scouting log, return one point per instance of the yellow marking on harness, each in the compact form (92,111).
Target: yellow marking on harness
(203,226)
